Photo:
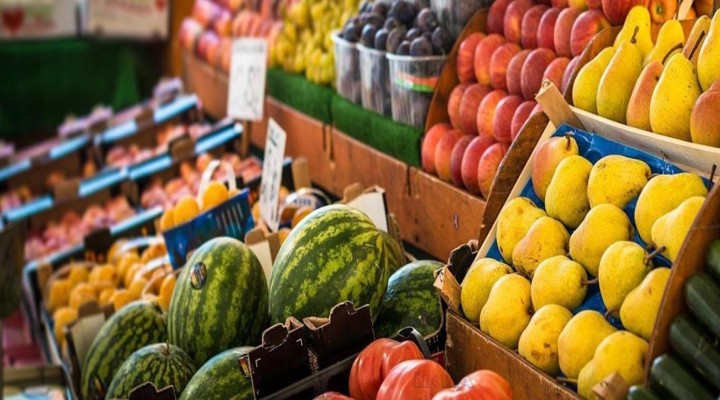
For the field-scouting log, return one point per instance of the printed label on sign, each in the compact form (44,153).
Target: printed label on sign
(246,99)
(272,175)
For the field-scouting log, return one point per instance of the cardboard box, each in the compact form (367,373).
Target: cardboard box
(136,19)
(31,19)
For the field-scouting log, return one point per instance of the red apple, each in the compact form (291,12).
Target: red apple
(486,112)
(522,114)
(514,72)
(496,15)
(454,104)
(586,26)
(513,19)
(483,54)
(443,152)
(559,3)
(499,64)
(466,58)
(533,70)
(530,24)
(563,31)
(469,107)
(594,4)
(429,144)
(546,29)
(456,158)
(556,70)
(489,165)
(568,74)
(470,162)
(502,122)
(617,10)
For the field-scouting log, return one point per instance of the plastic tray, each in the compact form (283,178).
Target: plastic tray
(413,81)
(375,80)
(347,69)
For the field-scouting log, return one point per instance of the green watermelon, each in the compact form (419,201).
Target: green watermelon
(221,378)
(396,252)
(161,364)
(133,327)
(220,300)
(411,300)
(335,254)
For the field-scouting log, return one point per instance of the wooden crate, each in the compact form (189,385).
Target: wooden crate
(209,83)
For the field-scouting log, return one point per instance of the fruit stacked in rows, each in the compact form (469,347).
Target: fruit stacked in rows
(71,228)
(667,87)
(548,258)
(118,282)
(304,45)
(210,30)
(500,73)
(399,28)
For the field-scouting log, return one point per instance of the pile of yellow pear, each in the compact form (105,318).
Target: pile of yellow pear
(668,87)
(582,237)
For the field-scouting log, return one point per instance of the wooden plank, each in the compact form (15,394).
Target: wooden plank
(468,350)
(209,83)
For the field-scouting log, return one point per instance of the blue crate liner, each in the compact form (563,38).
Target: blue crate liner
(593,148)
(233,219)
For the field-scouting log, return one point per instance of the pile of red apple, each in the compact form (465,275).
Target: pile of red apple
(500,72)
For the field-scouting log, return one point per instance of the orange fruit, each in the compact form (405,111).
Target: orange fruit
(215,193)
(115,249)
(167,287)
(103,273)
(63,317)
(130,276)
(283,234)
(100,286)
(150,297)
(185,210)
(284,192)
(105,295)
(136,287)
(233,192)
(256,211)
(120,298)
(167,221)
(301,213)
(154,251)
(124,263)
(81,294)
(78,274)
(156,278)
(59,294)
(164,302)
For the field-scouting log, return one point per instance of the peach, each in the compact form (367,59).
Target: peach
(429,144)
(594,4)
(466,57)
(546,29)
(496,16)
(456,158)
(563,31)
(522,114)
(514,72)
(471,159)
(530,24)
(513,19)
(704,120)
(533,70)
(489,165)
(469,107)
(499,64)
(504,113)
(586,26)
(568,74)
(443,153)
(556,70)
(454,104)
(483,53)
(486,112)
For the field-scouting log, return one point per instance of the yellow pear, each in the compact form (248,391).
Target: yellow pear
(585,381)
(545,238)
(475,288)
(662,194)
(546,159)
(618,81)
(708,63)
(508,310)
(640,308)
(559,280)
(513,222)
(694,43)
(670,230)
(539,342)
(566,199)
(674,98)
(637,28)
(579,339)
(622,267)
(603,226)
(670,38)
(616,180)
(588,79)
(620,352)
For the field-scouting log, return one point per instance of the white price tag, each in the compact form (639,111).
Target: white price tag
(272,175)
(246,99)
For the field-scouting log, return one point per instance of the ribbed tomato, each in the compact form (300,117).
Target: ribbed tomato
(332,396)
(480,385)
(374,363)
(414,380)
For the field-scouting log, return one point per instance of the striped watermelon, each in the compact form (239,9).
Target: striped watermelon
(220,300)
(221,378)
(134,326)
(395,250)
(161,364)
(411,300)
(335,254)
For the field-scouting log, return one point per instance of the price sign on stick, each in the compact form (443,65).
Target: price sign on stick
(272,175)
(247,79)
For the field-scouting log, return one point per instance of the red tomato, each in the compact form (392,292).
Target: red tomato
(332,396)
(414,380)
(480,385)
(374,363)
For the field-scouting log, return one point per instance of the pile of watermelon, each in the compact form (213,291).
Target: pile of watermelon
(222,302)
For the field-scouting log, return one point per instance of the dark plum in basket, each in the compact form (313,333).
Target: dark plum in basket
(381,38)
(380,8)
(426,20)
(395,37)
(391,23)
(352,30)
(372,19)
(404,11)
(403,49)
(442,41)
(367,38)
(413,34)
(421,47)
